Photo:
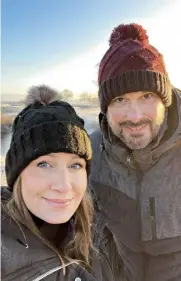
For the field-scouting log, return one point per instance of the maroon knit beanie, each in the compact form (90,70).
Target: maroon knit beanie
(131,64)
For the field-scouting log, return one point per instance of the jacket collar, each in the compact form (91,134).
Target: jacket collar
(65,231)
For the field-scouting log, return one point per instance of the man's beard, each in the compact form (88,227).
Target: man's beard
(135,140)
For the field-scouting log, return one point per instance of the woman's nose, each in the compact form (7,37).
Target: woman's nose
(61,181)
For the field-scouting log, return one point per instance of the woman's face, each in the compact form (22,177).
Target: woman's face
(53,186)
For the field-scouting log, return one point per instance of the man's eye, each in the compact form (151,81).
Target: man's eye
(148,96)
(76,166)
(44,164)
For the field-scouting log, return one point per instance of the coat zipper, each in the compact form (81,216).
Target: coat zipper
(138,193)
(152,216)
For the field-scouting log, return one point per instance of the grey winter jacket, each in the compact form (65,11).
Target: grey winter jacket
(139,193)
(25,258)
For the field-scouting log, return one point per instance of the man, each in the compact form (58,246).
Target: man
(136,170)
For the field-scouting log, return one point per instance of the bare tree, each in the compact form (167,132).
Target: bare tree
(67,94)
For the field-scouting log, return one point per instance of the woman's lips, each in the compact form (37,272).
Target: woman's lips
(58,202)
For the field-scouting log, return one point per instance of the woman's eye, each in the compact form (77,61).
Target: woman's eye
(147,96)
(76,166)
(119,100)
(44,164)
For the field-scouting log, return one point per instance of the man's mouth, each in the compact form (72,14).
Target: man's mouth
(135,129)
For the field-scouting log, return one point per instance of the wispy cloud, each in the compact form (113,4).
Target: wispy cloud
(80,73)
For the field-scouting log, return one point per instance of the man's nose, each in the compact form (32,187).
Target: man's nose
(134,113)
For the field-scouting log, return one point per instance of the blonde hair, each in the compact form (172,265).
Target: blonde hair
(78,250)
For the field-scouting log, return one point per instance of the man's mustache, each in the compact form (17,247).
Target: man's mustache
(131,124)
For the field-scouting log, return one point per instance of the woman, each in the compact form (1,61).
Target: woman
(46,211)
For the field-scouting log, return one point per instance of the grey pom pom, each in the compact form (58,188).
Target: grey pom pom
(43,94)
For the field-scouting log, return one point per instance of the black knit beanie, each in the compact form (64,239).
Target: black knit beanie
(46,125)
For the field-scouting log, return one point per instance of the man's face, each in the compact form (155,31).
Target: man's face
(135,118)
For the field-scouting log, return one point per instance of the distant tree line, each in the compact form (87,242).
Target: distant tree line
(84,97)
(10,108)
(66,95)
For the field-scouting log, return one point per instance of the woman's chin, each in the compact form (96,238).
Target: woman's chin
(57,220)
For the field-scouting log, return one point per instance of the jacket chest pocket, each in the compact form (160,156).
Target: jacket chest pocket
(161,216)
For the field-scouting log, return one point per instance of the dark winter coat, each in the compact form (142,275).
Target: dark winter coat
(139,193)
(25,258)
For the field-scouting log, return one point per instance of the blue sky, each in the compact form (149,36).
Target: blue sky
(38,35)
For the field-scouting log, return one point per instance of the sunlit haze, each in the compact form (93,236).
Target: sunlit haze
(77,70)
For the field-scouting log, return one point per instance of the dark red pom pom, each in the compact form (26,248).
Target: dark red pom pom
(128,31)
